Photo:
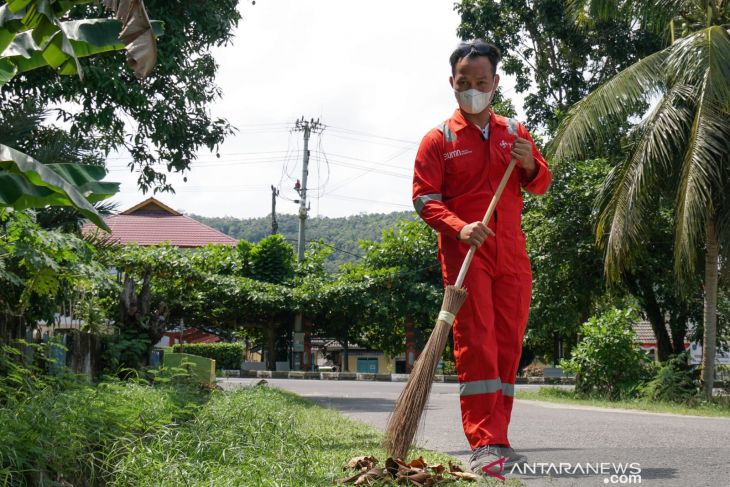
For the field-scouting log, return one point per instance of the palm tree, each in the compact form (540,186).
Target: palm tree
(681,145)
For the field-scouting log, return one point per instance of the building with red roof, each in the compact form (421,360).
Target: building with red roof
(646,338)
(151,222)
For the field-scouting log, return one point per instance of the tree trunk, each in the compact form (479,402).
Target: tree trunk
(678,325)
(710,314)
(642,290)
(345,354)
(272,332)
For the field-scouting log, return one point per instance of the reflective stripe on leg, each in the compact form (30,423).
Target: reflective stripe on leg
(480,387)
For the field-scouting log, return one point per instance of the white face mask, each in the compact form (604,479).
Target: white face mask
(473,101)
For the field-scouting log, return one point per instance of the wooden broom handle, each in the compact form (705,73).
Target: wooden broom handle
(487,216)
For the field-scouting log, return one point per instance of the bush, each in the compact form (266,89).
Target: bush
(449,367)
(673,382)
(607,362)
(226,355)
(200,368)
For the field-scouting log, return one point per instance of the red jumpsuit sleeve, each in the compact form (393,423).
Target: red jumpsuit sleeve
(541,181)
(428,176)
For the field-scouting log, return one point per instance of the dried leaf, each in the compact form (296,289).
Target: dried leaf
(392,466)
(359,463)
(438,468)
(409,481)
(136,35)
(454,468)
(370,476)
(419,476)
(466,476)
(347,480)
(417,463)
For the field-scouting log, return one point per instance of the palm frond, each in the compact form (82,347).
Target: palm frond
(719,58)
(702,171)
(18,120)
(627,194)
(612,102)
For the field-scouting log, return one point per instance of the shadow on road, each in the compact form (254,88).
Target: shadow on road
(355,404)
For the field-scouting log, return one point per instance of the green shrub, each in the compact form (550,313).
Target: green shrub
(607,361)
(672,382)
(226,355)
(201,369)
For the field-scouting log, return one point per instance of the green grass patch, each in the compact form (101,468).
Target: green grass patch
(70,434)
(720,406)
(256,436)
(170,434)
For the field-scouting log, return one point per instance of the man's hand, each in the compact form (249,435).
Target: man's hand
(522,151)
(475,233)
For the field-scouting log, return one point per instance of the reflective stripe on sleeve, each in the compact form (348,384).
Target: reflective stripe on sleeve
(480,387)
(508,390)
(421,201)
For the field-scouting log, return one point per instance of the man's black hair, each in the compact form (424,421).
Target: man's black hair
(472,49)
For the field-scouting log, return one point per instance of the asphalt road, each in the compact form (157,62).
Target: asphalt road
(669,450)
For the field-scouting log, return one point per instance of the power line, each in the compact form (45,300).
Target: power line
(366,134)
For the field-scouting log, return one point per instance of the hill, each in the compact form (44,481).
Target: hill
(341,233)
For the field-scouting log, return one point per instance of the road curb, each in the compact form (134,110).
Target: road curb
(298,374)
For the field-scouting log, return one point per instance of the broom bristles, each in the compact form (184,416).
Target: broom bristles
(403,422)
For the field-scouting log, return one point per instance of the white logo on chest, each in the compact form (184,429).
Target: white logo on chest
(503,144)
(457,153)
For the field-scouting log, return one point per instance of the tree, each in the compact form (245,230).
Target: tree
(682,143)
(554,60)
(21,127)
(32,36)
(42,272)
(169,112)
(567,276)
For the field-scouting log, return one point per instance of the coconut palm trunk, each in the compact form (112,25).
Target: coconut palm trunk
(710,313)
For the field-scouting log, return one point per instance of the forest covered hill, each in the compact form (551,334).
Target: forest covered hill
(341,233)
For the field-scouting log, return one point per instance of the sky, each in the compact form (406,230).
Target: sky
(374,73)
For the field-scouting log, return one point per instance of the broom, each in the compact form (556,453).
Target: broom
(403,422)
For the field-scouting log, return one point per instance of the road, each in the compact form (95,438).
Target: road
(670,450)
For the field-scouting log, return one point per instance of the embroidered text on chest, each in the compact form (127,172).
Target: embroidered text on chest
(457,153)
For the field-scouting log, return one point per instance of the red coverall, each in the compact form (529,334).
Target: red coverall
(456,174)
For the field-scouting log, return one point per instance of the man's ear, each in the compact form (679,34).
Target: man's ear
(451,81)
(496,81)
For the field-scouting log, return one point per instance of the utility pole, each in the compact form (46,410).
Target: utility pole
(299,358)
(274,225)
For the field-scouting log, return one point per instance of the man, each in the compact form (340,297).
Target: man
(458,168)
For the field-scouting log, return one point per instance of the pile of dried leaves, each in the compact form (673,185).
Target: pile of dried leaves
(417,472)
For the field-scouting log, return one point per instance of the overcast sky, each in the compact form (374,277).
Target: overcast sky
(374,73)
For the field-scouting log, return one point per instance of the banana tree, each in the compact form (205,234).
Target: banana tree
(681,145)
(33,35)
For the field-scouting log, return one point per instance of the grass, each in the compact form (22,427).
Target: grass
(135,434)
(256,436)
(65,435)
(719,407)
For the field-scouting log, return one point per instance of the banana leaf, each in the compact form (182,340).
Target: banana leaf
(27,183)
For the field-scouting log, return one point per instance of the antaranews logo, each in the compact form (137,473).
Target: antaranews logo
(613,473)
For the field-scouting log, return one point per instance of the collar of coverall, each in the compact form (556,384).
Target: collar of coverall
(459,122)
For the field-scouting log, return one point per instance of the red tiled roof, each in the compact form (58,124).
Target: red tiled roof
(645,333)
(152,223)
